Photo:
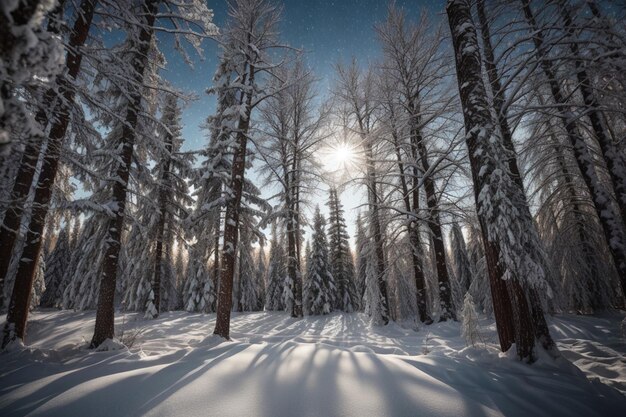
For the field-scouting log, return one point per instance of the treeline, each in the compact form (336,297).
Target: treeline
(489,149)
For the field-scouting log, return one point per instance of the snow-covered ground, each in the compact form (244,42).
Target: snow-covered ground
(336,365)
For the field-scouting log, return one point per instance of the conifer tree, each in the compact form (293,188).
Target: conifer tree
(57,265)
(247,44)
(320,288)
(276,272)
(342,265)
(261,277)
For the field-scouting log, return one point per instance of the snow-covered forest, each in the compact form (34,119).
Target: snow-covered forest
(202,216)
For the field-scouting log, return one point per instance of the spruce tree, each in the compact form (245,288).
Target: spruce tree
(319,288)
(57,264)
(342,265)
(276,272)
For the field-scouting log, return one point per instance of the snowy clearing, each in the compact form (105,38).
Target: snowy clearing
(335,365)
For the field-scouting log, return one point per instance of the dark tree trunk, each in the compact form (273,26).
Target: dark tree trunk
(507,140)
(231,220)
(612,224)
(293,260)
(105,313)
(13,214)
(20,298)
(413,235)
(26,172)
(434,223)
(376,229)
(216,255)
(511,310)
(163,203)
(498,92)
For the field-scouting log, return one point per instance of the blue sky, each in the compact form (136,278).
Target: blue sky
(328,30)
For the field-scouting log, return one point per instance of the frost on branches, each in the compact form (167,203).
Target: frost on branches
(28,54)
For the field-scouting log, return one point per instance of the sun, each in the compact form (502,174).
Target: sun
(338,157)
(339,161)
(344,154)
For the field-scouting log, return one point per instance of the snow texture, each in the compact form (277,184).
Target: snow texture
(332,365)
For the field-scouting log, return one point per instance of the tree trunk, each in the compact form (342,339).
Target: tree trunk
(294,241)
(26,172)
(163,200)
(376,229)
(413,235)
(231,220)
(105,314)
(216,256)
(510,307)
(434,223)
(293,262)
(612,224)
(20,298)
(498,93)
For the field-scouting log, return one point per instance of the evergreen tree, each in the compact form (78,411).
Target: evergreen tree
(248,296)
(319,288)
(247,46)
(361,259)
(261,277)
(18,306)
(276,272)
(460,265)
(341,262)
(57,265)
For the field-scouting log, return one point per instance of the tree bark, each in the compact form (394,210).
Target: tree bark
(26,172)
(479,126)
(163,202)
(231,220)
(105,313)
(376,229)
(498,92)
(434,223)
(412,232)
(20,298)
(293,260)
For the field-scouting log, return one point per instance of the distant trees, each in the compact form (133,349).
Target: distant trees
(320,289)
(291,127)
(340,257)
(355,92)
(446,222)
(415,66)
(276,272)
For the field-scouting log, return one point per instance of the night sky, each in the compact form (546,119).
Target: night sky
(328,30)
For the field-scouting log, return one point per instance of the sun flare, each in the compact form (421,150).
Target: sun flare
(344,154)
(338,159)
